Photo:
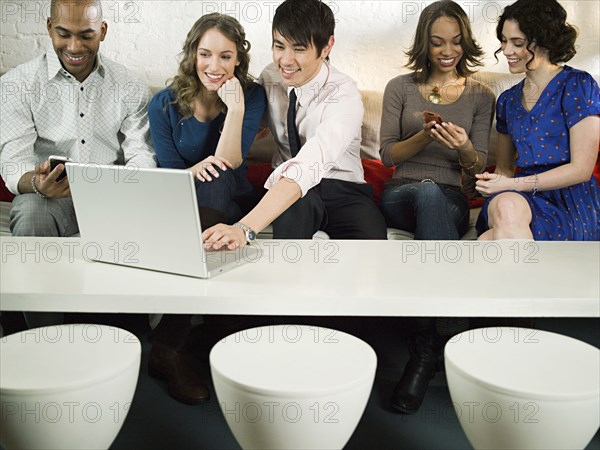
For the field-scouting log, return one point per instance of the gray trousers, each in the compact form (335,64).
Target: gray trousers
(32,215)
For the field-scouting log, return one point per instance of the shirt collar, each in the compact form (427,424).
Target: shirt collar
(55,67)
(312,89)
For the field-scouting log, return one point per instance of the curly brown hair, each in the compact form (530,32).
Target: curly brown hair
(418,54)
(186,85)
(544,23)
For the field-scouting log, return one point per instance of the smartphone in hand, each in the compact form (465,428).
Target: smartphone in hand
(429,116)
(55,161)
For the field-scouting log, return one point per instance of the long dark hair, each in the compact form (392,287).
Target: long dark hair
(418,54)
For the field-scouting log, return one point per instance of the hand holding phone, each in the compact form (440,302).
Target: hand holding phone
(55,161)
(430,116)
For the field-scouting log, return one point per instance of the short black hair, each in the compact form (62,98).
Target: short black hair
(306,22)
(544,23)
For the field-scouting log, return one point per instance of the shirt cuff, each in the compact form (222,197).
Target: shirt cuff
(295,171)
(11,179)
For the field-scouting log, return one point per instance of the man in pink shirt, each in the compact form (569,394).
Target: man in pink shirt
(315,114)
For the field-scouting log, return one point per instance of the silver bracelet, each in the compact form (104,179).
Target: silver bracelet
(35,189)
(535,186)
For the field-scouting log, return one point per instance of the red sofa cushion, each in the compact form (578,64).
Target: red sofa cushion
(376,174)
(258,173)
(5,194)
(597,169)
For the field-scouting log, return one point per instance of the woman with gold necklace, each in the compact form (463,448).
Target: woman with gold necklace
(425,195)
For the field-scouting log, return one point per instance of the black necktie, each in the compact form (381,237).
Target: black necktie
(293,135)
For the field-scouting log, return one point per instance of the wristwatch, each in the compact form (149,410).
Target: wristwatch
(250,234)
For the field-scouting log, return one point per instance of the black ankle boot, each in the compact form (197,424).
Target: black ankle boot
(418,372)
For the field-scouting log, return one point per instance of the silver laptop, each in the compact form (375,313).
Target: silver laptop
(146,218)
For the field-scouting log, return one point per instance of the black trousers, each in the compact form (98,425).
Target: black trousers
(344,210)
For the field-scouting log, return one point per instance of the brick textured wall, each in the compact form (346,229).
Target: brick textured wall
(371,36)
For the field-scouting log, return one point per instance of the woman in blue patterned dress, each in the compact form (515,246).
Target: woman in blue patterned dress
(549,127)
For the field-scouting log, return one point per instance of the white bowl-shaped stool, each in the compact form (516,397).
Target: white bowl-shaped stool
(66,387)
(517,388)
(292,386)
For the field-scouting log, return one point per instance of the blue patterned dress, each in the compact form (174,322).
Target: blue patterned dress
(541,138)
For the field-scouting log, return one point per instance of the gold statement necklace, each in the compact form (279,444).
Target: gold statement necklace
(435,96)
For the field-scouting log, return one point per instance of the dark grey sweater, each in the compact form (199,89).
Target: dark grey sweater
(402,117)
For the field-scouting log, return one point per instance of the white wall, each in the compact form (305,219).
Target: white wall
(371,36)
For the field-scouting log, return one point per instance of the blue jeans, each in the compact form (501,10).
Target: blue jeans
(225,199)
(429,210)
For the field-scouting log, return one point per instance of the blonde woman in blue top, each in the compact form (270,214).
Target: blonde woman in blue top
(205,121)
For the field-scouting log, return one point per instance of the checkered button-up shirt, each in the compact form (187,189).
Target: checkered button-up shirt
(46,111)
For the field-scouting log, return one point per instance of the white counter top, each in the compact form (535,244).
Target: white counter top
(346,278)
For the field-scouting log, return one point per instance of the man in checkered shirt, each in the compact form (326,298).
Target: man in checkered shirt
(70,102)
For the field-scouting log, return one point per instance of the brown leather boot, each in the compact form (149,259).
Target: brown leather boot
(176,367)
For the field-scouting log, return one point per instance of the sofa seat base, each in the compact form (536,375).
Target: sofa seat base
(393,234)
(4,219)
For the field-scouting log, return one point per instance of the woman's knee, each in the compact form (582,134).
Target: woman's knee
(429,191)
(509,208)
(224,181)
(415,193)
(218,192)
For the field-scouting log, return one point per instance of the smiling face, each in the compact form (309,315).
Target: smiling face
(445,49)
(514,47)
(216,59)
(298,64)
(76,30)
